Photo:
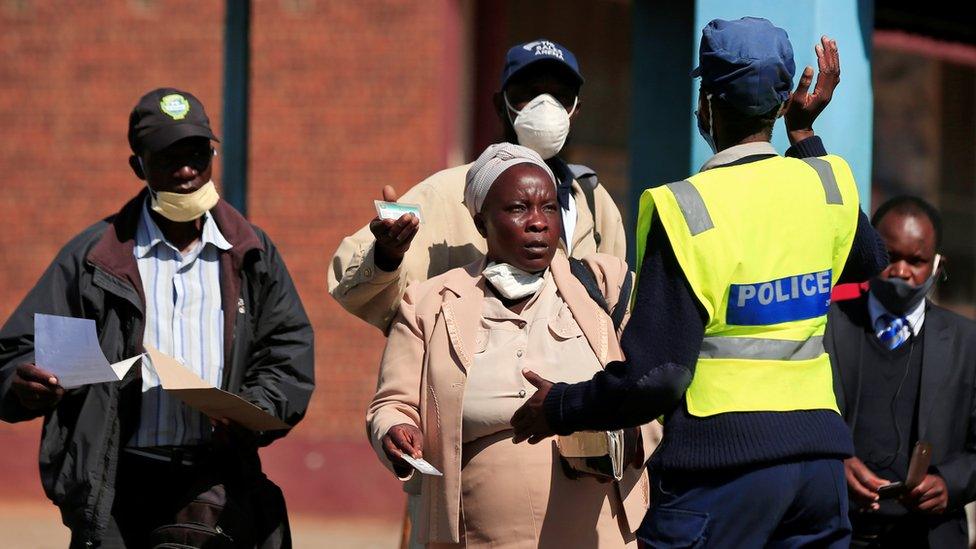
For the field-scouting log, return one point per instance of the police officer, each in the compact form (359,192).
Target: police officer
(725,340)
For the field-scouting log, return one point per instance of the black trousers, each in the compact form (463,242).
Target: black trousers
(879,532)
(217,498)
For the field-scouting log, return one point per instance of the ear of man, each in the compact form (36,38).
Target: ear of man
(782,109)
(136,166)
(941,270)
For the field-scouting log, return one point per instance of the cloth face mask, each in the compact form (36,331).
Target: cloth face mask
(184,207)
(511,282)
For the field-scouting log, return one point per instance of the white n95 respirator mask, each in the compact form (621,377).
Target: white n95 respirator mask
(542,125)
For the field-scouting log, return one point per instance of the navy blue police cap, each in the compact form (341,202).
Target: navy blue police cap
(747,62)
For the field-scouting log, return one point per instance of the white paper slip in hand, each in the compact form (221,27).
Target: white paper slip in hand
(68,348)
(393,210)
(422,466)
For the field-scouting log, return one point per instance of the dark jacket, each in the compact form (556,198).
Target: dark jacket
(662,343)
(269,357)
(946,405)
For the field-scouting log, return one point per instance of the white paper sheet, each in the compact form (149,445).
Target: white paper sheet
(68,348)
(422,466)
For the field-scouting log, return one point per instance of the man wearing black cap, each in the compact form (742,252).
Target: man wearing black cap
(179,270)
(726,336)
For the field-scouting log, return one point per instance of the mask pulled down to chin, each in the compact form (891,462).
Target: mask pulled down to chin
(183,207)
(899,296)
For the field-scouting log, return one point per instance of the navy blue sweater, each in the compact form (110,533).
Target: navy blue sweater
(662,342)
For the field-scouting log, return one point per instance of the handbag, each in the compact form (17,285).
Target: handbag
(219,516)
(211,519)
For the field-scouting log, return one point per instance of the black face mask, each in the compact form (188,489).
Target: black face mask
(900,297)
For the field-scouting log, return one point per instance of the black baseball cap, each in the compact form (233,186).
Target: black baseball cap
(163,117)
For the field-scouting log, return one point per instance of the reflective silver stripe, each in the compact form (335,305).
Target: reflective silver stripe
(761,349)
(827,179)
(692,206)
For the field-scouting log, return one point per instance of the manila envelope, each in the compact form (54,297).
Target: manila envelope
(218,404)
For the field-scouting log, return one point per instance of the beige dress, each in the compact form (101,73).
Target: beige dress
(546,339)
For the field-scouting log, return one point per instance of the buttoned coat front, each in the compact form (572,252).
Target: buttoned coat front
(423,374)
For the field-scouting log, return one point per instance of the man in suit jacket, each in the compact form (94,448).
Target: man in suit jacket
(905,371)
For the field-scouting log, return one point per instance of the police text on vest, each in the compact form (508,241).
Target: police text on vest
(796,297)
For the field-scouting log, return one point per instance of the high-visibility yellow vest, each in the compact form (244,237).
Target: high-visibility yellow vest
(762,245)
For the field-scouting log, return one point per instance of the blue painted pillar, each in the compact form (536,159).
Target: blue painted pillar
(237,56)
(847,125)
(664,141)
(660,136)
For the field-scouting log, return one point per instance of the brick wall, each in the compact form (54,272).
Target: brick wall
(346,97)
(70,72)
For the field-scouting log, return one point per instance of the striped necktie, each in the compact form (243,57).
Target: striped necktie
(892,330)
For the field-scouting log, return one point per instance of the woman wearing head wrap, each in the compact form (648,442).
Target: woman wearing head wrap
(452,376)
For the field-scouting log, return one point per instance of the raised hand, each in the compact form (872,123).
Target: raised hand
(803,107)
(393,237)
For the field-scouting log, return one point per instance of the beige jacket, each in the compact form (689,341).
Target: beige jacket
(423,372)
(447,239)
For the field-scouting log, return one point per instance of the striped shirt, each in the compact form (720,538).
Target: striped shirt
(184,320)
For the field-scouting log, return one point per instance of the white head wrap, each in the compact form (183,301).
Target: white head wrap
(485,170)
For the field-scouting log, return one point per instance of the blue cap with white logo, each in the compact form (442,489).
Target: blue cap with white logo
(530,53)
(747,62)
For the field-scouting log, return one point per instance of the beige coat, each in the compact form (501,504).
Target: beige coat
(423,372)
(447,239)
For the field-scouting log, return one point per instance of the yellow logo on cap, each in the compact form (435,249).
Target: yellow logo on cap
(175,105)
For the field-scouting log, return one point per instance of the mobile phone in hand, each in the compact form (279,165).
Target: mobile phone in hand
(892,490)
(917,469)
